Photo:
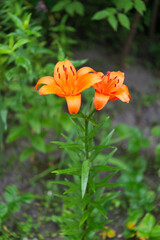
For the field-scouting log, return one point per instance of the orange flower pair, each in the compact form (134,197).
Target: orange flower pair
(68,83)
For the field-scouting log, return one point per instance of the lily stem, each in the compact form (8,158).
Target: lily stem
(86,158)
(86,138)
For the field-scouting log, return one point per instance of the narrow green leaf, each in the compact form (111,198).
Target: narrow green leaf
(72,171)
(108,197)
(65,183)
(105,180)
(86,200)
(97,128)
(20,43)
(108,137)
(68,146)
(98,150)
(92,184)
(78,124)
(84,218)
(119,163)
(84,176)
(27,20)
(100,208)
(16,20)
(62,196)
(72,189)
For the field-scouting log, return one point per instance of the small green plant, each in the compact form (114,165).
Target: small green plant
(13,201)
(143,229)
(119,11)
(85,202)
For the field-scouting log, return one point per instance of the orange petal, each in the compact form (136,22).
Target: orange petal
(44,80)
(65,75)
(100,100)
(118,75)
(73,103)
(114,82)
(86,81)
(84,70)
(71,75)
(123,94)
(113,98)
(59,76)
(51,89)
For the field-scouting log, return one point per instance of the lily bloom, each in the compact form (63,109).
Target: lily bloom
(68,83)
(110,88)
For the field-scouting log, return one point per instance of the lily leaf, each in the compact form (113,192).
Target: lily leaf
(84,177)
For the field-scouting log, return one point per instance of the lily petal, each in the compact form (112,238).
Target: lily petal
(100,100)
(65,75)
(71,75)
(118,75)
(84,70)
(44,80)
(123,94)
(86,81)
(73,103)
(115,81)
(51,89)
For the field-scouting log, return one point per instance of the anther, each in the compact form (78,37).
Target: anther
(114,77)
(59,75)
(64,68)
(115,85)
(118,81)
(72,70)
(58,69)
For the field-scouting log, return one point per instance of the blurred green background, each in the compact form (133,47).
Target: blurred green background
(105,35)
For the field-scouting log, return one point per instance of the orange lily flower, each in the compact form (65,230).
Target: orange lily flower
(68,83)
(110,88)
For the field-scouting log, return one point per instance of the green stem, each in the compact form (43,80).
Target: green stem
(86,138)
(87,157)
